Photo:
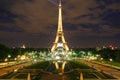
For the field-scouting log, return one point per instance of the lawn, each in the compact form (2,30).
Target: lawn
(75,64)
(39,65)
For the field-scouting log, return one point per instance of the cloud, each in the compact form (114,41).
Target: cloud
(107,2)
(36,16)
(6,4)
(7,28)
(112,18)
(70,27)
(6,16)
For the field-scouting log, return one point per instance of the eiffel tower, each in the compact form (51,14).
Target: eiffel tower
(60,39)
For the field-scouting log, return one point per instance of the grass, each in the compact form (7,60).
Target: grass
(39,65)
(109,76)
(76,64)
(9,75)
(100,75)
(110,63)
(89,75)
(21,76)
(114,63)
(73,75)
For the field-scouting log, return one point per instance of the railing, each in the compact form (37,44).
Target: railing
(83,79)
(100,79)
(13,79)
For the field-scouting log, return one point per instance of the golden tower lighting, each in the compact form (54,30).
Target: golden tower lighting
(60,39)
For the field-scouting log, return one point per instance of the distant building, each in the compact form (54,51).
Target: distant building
(23,46)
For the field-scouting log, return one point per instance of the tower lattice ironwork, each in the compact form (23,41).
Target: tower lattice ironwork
(60,39)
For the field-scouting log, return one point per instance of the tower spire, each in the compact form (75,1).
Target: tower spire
(60,3)
(60,17)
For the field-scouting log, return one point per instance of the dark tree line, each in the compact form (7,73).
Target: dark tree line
(4,51)
(14,52)
(108,53)
(105,53)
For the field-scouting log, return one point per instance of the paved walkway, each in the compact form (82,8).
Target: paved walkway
(112,72)
(55,77)
(6,70)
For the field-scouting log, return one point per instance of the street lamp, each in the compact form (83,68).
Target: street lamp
(9,56)
(6,59)
(101,59)
(111,60)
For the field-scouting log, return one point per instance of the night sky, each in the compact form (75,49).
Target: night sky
(86,23)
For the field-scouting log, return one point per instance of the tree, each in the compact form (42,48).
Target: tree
(4,51)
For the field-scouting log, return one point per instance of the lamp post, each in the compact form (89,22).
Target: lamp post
(111,61)
(9,56)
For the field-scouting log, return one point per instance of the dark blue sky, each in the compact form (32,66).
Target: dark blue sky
(86,23)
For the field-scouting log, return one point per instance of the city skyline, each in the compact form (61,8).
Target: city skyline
(34,23)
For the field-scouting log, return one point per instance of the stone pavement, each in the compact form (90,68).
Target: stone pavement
(54,77)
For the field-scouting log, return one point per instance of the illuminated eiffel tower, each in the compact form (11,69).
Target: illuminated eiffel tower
(60,39)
